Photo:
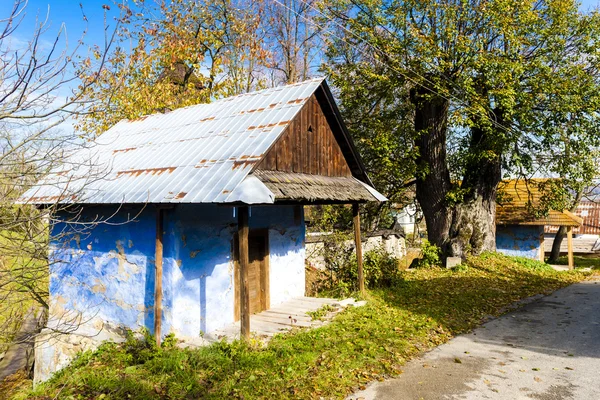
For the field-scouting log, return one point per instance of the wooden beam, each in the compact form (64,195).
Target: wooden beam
(542,250)
(244,261)
(570,246)
(158,274)
(358,244)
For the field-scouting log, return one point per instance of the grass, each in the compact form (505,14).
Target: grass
(582,261)
(320,313)
(423,309)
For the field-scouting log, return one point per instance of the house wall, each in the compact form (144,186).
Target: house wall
(519,240)
(102,276)
(406,218)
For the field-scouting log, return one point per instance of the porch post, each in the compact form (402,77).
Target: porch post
(158,274)
(542,250)
(358,243)
(570,246)
(244,261)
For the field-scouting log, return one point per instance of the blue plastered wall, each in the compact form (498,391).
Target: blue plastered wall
(104,274)
(519,240)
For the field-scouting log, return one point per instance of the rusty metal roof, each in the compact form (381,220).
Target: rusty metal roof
(197,154)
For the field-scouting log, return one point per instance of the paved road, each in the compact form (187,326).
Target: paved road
(549,349)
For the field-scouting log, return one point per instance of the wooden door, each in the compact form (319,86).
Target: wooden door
(258,272)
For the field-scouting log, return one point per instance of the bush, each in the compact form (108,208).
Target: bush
(430,256)
(142,349)
(379,267)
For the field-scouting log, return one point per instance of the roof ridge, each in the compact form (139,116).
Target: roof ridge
(224,99)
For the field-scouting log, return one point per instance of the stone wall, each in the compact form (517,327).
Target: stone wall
(391,241)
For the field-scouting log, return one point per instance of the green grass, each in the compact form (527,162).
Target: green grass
(423,309)
(587,261)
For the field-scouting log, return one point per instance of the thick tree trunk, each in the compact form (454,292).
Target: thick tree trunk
(467,225)
(433,177)
(474,224)
(473,228)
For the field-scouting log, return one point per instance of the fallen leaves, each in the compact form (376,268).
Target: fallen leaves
(425,308)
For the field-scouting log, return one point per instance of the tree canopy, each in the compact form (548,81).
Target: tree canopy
(179,53)
(472,90)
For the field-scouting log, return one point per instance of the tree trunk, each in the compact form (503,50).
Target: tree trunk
(558,238)
(473,227)
(433,177)
(466,225)
(562,231)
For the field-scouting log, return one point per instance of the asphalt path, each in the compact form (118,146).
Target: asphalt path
(546,350)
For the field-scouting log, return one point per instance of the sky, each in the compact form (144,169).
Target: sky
(69,13)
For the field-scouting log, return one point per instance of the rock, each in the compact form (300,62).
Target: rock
(452,262)
(346,302)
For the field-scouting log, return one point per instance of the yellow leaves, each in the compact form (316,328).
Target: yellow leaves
(219,44)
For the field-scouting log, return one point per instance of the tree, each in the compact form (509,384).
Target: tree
(294,38)
(37,99)
(175,54)
(475,86)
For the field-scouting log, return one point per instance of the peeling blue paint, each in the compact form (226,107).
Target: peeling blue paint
(519,240)
(106,274)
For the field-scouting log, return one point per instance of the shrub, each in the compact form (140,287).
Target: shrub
(430,256)
(340,277)
(142,348)
(379,267)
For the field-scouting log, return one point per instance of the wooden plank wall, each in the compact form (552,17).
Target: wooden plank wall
(307,146)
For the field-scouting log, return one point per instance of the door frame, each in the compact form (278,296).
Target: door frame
(265,293)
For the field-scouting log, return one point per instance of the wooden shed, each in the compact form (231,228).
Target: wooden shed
(196,219)
(519,231)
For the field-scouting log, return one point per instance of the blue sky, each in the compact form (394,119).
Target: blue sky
(69,13)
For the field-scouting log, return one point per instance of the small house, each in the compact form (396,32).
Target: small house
(186,221)
(519,232)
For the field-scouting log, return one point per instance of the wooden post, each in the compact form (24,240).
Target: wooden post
(244,261)
(358,243)
(542,250)
(158,273)
(570,246)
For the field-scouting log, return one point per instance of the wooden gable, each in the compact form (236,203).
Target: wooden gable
(308,146)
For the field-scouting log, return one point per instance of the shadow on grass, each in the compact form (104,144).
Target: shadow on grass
(423,309)
(459,303)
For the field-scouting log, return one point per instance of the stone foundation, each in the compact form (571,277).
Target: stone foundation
(391,241)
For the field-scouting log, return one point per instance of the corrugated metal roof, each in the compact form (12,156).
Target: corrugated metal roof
(197,154)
